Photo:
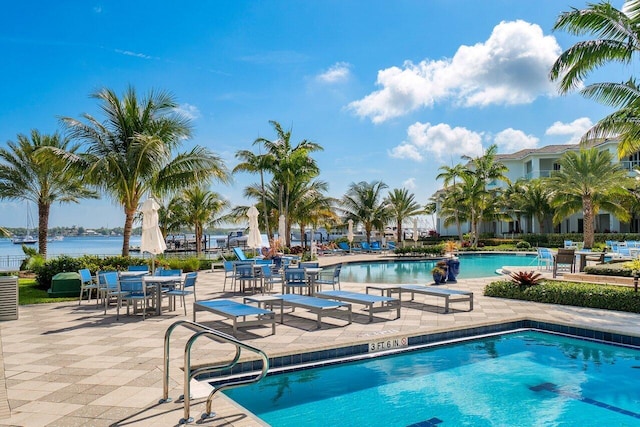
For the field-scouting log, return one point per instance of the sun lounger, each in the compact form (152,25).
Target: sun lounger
(315,305)
(447,294)
(235,311)
(387,303)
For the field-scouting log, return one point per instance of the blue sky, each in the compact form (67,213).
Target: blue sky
(391,89)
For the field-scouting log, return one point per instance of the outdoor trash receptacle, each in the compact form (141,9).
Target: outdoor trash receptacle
(8,297)
(65,285)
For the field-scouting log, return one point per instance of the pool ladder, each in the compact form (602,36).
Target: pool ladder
(189,374)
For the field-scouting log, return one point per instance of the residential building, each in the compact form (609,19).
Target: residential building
(541,162)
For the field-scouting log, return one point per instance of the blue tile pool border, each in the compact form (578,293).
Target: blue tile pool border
(316,358)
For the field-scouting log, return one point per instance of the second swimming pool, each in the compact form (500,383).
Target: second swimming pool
(471,266)
(517,379)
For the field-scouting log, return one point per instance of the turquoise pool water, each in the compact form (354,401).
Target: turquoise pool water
(517,379)
(473,265)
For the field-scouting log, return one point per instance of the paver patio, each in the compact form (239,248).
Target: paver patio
(69,365)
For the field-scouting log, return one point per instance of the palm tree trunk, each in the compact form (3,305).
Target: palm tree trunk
(459,227)
(399,231)
(198,230)
(587,215)
(43,226)
(303,241)
(126,237)
(264,207)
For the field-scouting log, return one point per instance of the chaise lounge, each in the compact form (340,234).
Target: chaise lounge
(386,303)
(316,305)
(237,312)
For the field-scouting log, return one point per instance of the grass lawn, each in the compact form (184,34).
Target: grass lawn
(28,293)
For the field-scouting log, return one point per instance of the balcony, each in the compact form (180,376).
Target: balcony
(543,173)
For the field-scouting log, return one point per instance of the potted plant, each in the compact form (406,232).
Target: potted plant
(439,275)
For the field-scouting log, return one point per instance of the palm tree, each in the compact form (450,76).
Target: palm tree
(449,175)
(30,172)
(589,181)
(288,164)
(617,39)
(363,204)
(132,152)
(402,205)
(483,172)
(535,200)
(310,205)
(199,208)
(253,163)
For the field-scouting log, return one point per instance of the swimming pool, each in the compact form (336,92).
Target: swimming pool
(522,378)
(398,271)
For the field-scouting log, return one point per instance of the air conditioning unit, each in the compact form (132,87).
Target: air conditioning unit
(8,298)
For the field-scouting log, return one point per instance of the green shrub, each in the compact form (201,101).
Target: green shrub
(436,250)
(610,269)
(523,245)
(607,297)
(53,266)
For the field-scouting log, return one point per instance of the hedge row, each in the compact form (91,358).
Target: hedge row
(556,240)
(45,271)
(423,250)
(610,269)
(607,297)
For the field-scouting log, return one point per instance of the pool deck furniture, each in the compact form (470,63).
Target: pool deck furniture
(316,305)
(237,312)
(449,295)
(387,303)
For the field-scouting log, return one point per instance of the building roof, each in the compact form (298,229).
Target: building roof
(549,149)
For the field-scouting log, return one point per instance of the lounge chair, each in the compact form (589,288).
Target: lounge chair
(316,305)
(344,246)
(366,247)
(391,246)
(240,254)
(564,258)
(449,295)
(387,303)
(375,247)
(237,312)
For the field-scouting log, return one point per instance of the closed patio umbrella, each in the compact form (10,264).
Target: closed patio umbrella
(350,232)
(254,240)
(152,239)
(415,230)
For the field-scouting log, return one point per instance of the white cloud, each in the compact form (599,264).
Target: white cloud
(134,54)
(188,110)
(510,67)
(338,72)
(439,140)
(409,184)
(574,130)
(511,140)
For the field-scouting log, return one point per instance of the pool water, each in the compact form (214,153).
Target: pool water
(474,265)
(518,379)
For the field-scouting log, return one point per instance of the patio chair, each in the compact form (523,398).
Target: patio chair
(332,279)
(108,287)
(88,284)
(132,289)
(240,254)
(229,273)
(246,272)
(564,258)
(545,256)
(294,278)
(187,288)
(138,268)
(270,276)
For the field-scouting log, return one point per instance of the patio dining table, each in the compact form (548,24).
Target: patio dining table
(158,282)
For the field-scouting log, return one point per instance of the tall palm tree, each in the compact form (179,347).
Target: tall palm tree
(288,164)
(363,204)
(617,39)
(256,163)
(402,205)
(588,181)
(450,175)
(133,151)
(199,208)
(535,200)
(483,172)
(30,172)
(310,205)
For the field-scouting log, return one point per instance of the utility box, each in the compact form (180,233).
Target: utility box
(8,297)
(65,285)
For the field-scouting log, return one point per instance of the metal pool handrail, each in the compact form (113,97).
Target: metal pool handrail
(201,330)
